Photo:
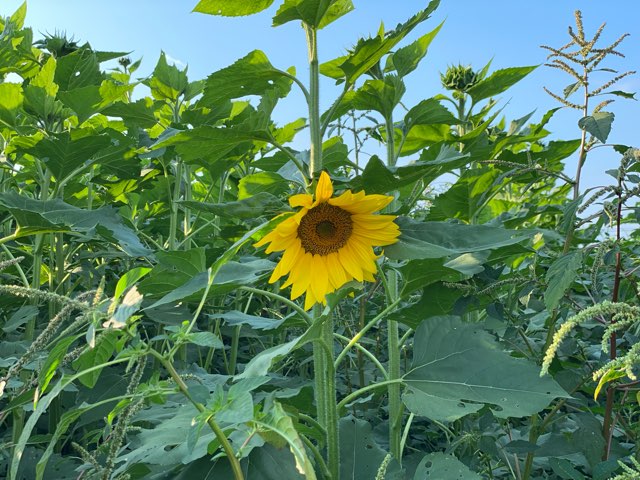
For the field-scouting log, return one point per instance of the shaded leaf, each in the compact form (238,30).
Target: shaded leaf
(457,367)
(315,13)
(36,216)
(560,276)
(443,467)
(360,455)
(442,239)
(598,124)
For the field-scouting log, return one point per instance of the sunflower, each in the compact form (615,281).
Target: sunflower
(330,241)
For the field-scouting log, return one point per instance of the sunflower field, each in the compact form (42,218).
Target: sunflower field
(186,294)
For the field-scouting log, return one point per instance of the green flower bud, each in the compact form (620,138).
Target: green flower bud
(459,78)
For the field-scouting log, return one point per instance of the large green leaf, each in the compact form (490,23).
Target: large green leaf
(441,466)
(560,276)
(96,356)
(419,240)
(78,69)
(167,82)
(65,152)
(498,82)
(378,178)
(253,74)
(437,299)
(260,204)
(315,13)
(232,8)
(230,276)
(406,59)
(429,112)
(208,145)
(278,428)
(360,455)
(368,52)
(420,273)
(36,216)
(458,367)
(11,99)
(598,125)
(380,95)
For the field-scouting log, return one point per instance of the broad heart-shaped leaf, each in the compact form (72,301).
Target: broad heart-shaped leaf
(381,95)
(360,455)
(419,240)
(598,124)
(253,74)
(232,8)
(368,52)
(207,145)
(420,273)
(167,82)
(406,59)
(260,204)
(78,69)
(138,113)
(84,101)
(65,152)
(457,367)
(560,276)
(315,13)
(378,178)
(498,82)
(441,466)
(36,216)
(428,112)
(437,299)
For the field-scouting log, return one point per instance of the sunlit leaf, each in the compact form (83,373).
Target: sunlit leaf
(232,8)
(498,82)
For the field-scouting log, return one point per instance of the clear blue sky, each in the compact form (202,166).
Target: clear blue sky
(509,31)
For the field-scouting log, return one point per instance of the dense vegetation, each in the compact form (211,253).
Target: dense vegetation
(141,336)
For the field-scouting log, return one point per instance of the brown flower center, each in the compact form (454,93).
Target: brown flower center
(325,229)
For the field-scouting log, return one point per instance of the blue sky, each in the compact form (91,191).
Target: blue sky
(507,31)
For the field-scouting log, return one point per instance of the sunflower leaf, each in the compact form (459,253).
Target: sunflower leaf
(458,367)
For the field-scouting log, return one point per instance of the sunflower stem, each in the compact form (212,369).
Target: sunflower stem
(315,133)
(395,403)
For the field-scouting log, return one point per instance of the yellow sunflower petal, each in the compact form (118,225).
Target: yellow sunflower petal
(373,222)
(324,189)
(289,258)
(300,277)
(349,261)
(377,237)
(364,254)
(359,203)
(337,274)
(368,277)
(319,277)
(301,200)
(309,300)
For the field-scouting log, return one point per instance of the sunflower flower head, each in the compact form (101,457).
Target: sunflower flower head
(329,241)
